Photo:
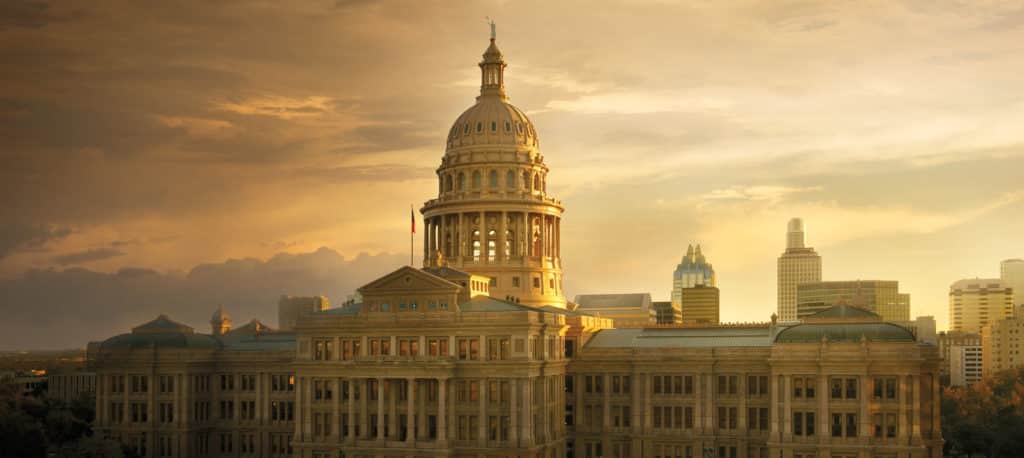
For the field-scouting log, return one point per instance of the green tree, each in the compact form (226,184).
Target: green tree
(985,418)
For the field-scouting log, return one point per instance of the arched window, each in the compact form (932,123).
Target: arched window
(526,180)
(519,127)
(476,179)
(494,126)
(476,245)
(448,183)
(479,127)
(536,182)
(462,181)
(544,184)
(509,241)
(510,180)
(492,179)
(508,127)
(465,129)
(492,245)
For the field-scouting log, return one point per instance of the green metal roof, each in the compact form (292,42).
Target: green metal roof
(845,332)
(681,338)
(845,311)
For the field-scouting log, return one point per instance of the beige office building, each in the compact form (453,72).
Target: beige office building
(798,264)
(974,303)
(1002,345)
(700,304)
(1011,272)
(879,296)
(630,310)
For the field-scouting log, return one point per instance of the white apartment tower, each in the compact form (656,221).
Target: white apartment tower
(798,264)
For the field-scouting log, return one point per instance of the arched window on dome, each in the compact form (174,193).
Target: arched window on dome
(508,127)
(492,245)
(510,180)
(462,181)
(479,127)
(448,183)
(465,129)
(492,179)
(544,184)
(476,179)
(476,245)
(494,126)
(519,128)
(526,181)
(536,183)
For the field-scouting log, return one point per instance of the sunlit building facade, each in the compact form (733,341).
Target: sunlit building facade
(976,302)
(879,296)
(478,354)
(1011,272)
(798,264)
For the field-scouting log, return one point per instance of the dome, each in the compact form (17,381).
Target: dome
(845,332)
(492,120)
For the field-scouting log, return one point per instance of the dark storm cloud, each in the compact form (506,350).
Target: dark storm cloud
(67,308)
(86,256)
(19,236)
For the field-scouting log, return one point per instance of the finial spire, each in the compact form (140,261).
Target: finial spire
(494,32)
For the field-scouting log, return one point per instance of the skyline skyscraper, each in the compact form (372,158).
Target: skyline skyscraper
(1011,272)
(692,273)
(976,302)
(798,264)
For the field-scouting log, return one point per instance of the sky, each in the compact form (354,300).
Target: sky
(171,157)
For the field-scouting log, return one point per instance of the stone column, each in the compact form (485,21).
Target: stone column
(578,417)
(299,411)
(787,413)
(698,405)
(364,412)
(426,241)
(380,409)
(421,407)
(915,408)
(483,237)
(741,422)
(862,397)
(335,408)
(526,236)
(543,243)
(773,396)
(936,431)
(513,398)
(902,398)
(410,425)
(482,422)
(392,393)
(823,414)
(443,235)
(527,433)
(307,394)
(442,409)
(351,410)
(606,404)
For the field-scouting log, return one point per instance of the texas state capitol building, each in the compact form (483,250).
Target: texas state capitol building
(478,354)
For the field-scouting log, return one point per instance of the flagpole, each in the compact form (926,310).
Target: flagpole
(412,237)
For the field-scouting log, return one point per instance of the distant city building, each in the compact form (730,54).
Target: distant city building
(667,312)
(879,296)
(965,364)
(290,308)
(925,327)
(693,288)
(627,310)
(949,339)
(975,302)
(1011,272)
(70,386)
(700,304)
(798,264)
(1002,344)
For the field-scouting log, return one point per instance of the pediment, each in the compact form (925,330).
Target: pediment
(408,279)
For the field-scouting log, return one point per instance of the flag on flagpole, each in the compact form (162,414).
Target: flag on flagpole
(412,216)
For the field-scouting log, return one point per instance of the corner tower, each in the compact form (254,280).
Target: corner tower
(493,215)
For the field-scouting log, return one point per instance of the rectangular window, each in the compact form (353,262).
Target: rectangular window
(437,346)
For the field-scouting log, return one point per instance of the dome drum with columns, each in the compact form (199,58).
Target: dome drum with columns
(493,215)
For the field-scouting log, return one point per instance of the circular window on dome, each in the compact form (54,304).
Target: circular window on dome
(479,127)
(508,127)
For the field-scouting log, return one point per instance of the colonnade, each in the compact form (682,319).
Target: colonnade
(492,237)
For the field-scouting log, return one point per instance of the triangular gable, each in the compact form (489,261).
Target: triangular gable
(408,279)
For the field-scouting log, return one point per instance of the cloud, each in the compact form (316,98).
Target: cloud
(16,236)
(639,102)
(279,106)
(67,308)
(772,194)
(90,255)
(199,127)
